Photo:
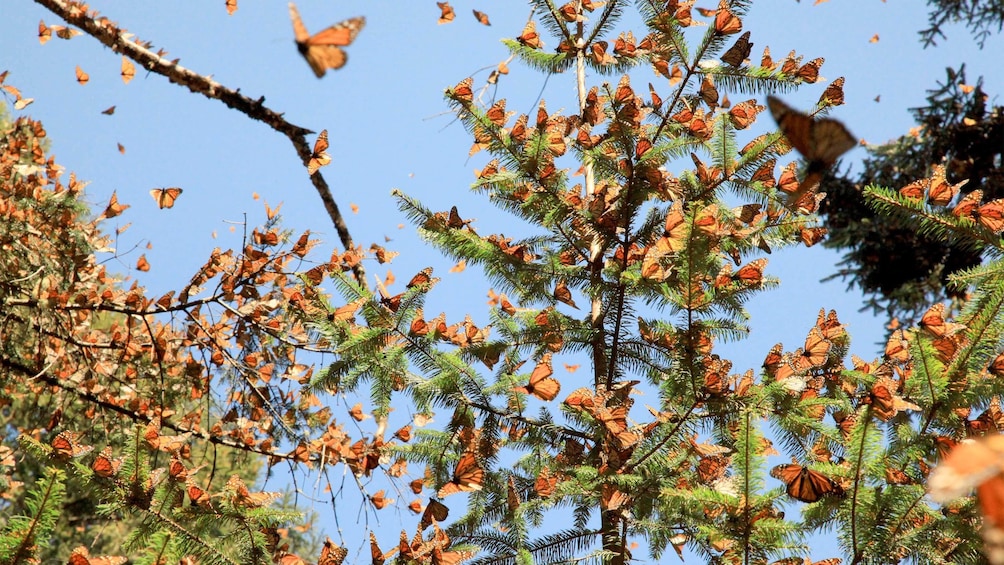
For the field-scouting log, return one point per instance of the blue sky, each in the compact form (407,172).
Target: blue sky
(389,127)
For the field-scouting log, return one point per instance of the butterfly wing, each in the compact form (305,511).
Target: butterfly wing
(796,126)
(319,158)
(830,140)
(467,477)
(165,197)
(341,34)
(821,141)
(739,51)
(299,30)
(323,50)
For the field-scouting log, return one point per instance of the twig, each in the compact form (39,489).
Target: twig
(108,33)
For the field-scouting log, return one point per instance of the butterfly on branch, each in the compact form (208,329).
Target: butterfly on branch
(821,141)
(802,483)
(323,50)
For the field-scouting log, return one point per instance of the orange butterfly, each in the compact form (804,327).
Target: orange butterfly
(332,553)
(805,484)
(377,555)
(66,445)
(104,465)
(482,18)
(128,70)
(44,33)
(446,14)
(319,158)
(976,464)
(198,495)
(81,556)
(541,384)
(323,49)
(165,197)
(821,141)
(815,352)
(834,93)
(467,476)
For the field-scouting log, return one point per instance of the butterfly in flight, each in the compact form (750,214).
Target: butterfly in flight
(976,464)
(821,141)
(165,197)
(323,50)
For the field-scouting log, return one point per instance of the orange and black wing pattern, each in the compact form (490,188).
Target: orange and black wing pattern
(323,50)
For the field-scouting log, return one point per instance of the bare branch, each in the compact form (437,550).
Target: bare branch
(108,33)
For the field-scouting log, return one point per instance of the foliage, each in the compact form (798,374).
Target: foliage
(86,361)
(904,270)
(979,16)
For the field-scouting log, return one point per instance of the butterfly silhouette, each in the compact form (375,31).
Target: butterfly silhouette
(323,49)
(820,140)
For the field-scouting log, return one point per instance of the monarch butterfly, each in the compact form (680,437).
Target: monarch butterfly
(933,321)
(727,23)
(435,511)
(81,556)
(976,464)
(378,556)
(44,33)
(128,71)
(332,553)
(821,141)
(739,51)
(380,500)
(817,349)
(165,197)
(885,403)
(991,419)
(104,465)
(422,278)
(323,49)
(541,384)
(482,18)
(805,484)
(318,157)
(834,93)
(467,476)
(446,13)
(66,445)
(708,92)
(809,72)
(530,37)
(198,495)
(752,272)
